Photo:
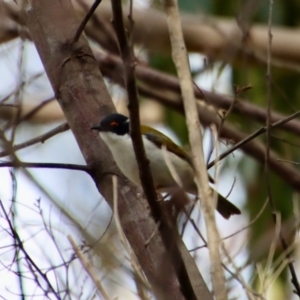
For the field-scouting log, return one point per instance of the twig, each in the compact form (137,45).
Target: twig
(153,233)
(238,231)
(28,258)
(14,214)
(88,267)
(85,20)
(237,92)
(253,136)
(166,229)
(19,164)
(180,59)
(289,161)
(40,139)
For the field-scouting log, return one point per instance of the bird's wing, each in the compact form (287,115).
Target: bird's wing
(159,139)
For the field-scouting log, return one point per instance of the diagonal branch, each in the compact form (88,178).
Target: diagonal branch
(187,289)
(180,58)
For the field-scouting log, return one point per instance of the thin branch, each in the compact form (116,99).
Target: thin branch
(253,136)
(133,107)
(40,139)
(15,226)
(179,55)
(19,164)
(166,229)
(85,20)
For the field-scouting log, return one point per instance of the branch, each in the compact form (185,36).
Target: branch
(20,164)
(85,20)
(186,287)
(40,139)
(180,58)
(252,136)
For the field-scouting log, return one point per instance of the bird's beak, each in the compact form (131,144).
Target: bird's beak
(96,127)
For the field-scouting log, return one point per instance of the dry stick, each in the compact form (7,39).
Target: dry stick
(166,229)
(238,231)
(180,59)
(89,268)
(40,139)
(283,242)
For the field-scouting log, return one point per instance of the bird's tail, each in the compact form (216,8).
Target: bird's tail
(226,208)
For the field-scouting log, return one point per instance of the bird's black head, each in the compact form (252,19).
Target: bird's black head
(116,123)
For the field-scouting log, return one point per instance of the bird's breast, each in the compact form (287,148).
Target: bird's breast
(122,150)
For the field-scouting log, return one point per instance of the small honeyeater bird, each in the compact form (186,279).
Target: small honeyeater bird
(115,132)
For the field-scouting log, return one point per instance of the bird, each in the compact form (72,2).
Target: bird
(114,130)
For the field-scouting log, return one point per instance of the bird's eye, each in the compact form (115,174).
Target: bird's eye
(114,124)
